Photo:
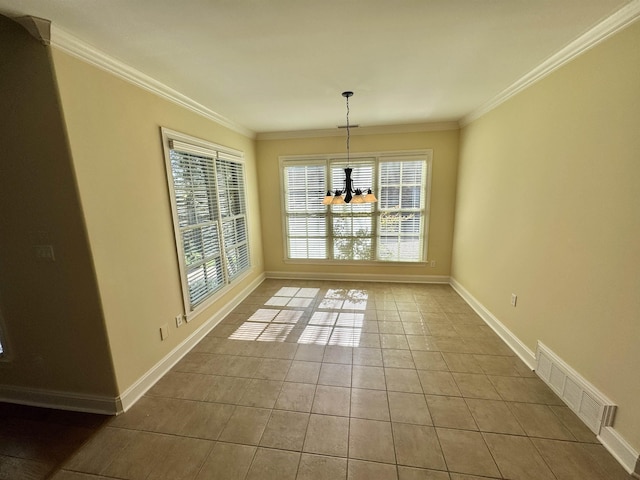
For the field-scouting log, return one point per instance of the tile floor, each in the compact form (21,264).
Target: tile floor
(324,380)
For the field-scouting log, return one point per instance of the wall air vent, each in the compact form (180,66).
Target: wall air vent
(593,407)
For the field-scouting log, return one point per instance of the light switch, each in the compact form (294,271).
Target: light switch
(44,253)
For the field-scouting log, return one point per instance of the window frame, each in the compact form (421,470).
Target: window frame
(196,146)
(379,157)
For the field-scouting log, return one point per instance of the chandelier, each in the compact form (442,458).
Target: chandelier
(349,194)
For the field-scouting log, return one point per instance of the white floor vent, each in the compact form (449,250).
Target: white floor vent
(595,409)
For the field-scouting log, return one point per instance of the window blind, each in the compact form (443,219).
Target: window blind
(209,206)
(392,230)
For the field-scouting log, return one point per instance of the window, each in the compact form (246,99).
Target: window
(207,189)
(392,230)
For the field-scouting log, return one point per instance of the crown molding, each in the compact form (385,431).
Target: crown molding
(373,130)
(38,28)
(75,47)
(610,26)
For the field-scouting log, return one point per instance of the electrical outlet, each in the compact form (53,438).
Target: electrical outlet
(179,320)
(514,299)
(164,331)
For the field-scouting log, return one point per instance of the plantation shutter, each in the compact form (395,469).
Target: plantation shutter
(401,209)
(233,212)
(353,224)
(304,189)
(209,205)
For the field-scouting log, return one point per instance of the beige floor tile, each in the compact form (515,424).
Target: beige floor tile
(261,393)
(438,383)
(336,374)
(475,385)
(489,346)
(572,423)
(203,419)
(273,369)
(303,372)
(226,389)
(371,440)
(412,473)
(296,396)
(368,377)
(517,457)
(189,386)
(454,345)
(370,325)
(429,360)
(227,461)
(367,356)
(402,380)
(393,341)
(408,306)
(280,350)
(320,467)
(462,362)
(442,330)
(332,400)
(395,328)
(415,328)
(575,461)
(310,353)
(274,465)
(466,452)
(397,358)
(494,416)
(362,470)
(285,430)
(417,446)
(409,408)
(337,354)
(238,366)
(422,343)
(101,449)
(164,457)
(191,425)
(522,389)
(450,412)
(327,435)
(539,421)
(369,404)
(19,468)
(366,340)
(501,365)
(245,425)
(462,476)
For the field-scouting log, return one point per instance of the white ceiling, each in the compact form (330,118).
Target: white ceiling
(281,65)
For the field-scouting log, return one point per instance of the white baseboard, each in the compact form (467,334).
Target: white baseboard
(116,405)
(621,450)
(608,436)
(519,348)
(358,277)
(132,394)
(78,402)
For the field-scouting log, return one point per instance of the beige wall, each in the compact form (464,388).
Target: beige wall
(52,312)
(114,133)
(548,207)
(444,171)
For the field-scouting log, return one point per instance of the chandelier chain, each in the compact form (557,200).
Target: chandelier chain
(348,135)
